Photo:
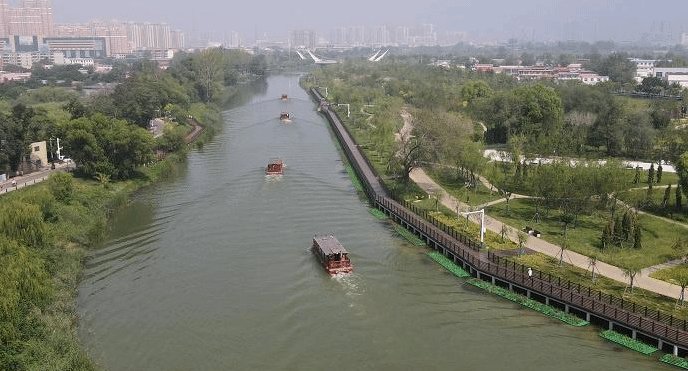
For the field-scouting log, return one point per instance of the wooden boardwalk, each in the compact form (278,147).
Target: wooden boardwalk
(638,322)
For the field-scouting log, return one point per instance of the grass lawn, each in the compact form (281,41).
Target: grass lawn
(584,238)
(653,204)
(550,265)
(446,178)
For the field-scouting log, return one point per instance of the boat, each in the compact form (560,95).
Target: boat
(285,116)
(274,167)
(332,255)
(284,97)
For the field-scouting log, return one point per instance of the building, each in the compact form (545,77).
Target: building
(304,39)
(677,75)
(77,47)
(39,154)
(114,33)
(644,68)
(32,17)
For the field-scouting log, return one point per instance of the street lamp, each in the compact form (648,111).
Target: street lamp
(347,108)
(325,90)
(482,221)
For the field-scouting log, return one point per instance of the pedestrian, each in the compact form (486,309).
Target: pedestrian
(14,183)
(530,273)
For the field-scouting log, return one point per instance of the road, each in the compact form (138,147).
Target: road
(33,178)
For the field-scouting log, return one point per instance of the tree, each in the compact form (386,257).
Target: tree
(409,152)
(667,195)
(659,173)
(681,166)
(592,264)
(473,89)
(608,234)
(626,225)
(651,175)
(631,271)
(100,144)
(208,64)
(680,275)
(437,196)
(679,199)
(522,239)
(637,238)
(61,186)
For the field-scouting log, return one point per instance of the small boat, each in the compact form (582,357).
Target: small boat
(274,167)
(332,255)
(284,97)
(285,116)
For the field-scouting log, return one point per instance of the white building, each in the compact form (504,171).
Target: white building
(644,68)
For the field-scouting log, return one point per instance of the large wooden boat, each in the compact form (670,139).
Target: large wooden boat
(284,97)
(274,167)
(285,117)
(332,255)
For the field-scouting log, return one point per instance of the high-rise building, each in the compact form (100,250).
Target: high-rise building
(303,38)
(114,33)
(684,39)
(143,36)
(32,17)
(4,26)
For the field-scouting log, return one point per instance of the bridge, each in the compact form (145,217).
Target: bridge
(639,322)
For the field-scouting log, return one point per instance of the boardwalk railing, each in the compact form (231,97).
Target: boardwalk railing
(650,321)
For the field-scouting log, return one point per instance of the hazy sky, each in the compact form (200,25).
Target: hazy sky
(523,19)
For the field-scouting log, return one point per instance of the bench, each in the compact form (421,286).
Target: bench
(532,232)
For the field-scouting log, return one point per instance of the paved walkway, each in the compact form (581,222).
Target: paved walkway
(641,280)
(537,244)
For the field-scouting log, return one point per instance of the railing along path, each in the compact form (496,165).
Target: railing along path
(652,322)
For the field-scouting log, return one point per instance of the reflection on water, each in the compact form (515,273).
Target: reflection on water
(211,271)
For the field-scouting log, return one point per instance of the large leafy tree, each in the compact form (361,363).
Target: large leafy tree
(107,146)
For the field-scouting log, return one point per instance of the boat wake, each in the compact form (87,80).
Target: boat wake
(351,282)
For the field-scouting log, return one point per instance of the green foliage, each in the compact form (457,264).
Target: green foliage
(681,167)
(473,89)
(24,223)
(24,284)
(61,186)
(99,144)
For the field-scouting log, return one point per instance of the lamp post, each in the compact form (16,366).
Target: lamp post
(482,221)
(320,87)
(347,108)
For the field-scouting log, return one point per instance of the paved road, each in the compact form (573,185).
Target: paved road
(33,178)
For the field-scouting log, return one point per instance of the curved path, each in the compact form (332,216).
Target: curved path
(642,280)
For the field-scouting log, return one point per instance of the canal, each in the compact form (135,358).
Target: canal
(210,270)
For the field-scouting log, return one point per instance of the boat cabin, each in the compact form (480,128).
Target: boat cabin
(284,97)
(285,116)
(332,255)
(274,167)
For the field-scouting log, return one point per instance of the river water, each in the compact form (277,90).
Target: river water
(210,270)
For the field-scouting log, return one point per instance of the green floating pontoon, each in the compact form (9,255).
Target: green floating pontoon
(410,237)
(378,213)
(445,262)
(530,303)
(675,361)
(628,342)
(354,179)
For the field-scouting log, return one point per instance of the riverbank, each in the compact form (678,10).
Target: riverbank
(38,319)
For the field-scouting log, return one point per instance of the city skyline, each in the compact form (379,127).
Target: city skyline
(531,20)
